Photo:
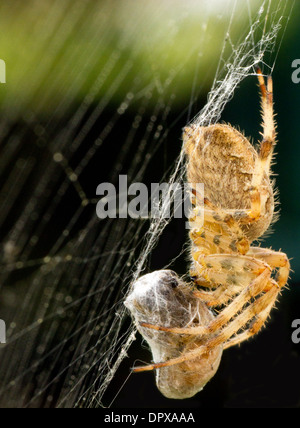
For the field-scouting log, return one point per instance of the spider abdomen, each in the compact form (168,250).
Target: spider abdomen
(224,160)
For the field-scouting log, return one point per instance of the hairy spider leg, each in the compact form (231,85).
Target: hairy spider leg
(268,124)
(263,162)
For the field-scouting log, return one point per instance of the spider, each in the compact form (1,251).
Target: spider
(235,285)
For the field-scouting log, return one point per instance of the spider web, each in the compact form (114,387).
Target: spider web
(65,273)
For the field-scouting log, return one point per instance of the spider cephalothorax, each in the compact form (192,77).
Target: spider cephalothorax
(239,282)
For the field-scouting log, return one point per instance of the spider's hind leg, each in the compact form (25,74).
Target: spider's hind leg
(268,124)
(263,161)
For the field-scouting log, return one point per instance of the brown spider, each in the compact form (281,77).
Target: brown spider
(239,282)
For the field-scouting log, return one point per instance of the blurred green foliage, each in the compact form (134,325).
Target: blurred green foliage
(63,50)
